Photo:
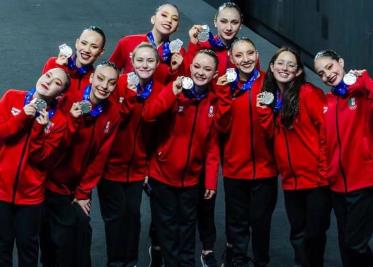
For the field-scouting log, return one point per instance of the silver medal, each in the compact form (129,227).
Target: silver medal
(40,104)
(175,46)
(349,78)
(203,35)
(231,75)
(85,106)
(65,50)
(187,83)
(266,98)
(132,78)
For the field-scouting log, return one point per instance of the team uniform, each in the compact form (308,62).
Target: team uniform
(249,170)
(120,190)
(301,157)
(68,242)
(187,145)
(122,53)
(27,150)
(349,138)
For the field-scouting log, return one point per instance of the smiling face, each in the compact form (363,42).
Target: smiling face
(51,83)
(166,20)
(145,61)
(285,67)
(203,69)
(244,56)
(331,71)
(228,23)
(89,46)
(104,81)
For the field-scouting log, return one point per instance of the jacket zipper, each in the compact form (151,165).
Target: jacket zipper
(340,147)
(16,182)
(289,160)
(190,144)
(134,146)
(252,133)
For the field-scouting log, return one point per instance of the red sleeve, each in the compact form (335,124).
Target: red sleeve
(266,120)
(124,97)
(212,160)
(163,102)
(365,83)
(45,146)
(51,64)
(95,168)
(11,125)
(119,55)
(223,117)
(315,103)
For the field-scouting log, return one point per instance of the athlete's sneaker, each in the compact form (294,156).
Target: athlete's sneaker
(156,259)
(209,260)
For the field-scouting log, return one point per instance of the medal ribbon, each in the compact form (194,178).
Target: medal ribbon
(166,52)
(99,108)
(216,42)
(340,90)
(51,110)
(143,94)
(193,94)
(278,102)
(247,85)
(71,64)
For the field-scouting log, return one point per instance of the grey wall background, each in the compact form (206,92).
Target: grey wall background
(311,25)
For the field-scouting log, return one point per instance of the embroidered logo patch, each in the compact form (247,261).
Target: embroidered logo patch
(15,111)
(211,112)
(107,127)
(352,103)
(180,108)
(325,109)
(121,99)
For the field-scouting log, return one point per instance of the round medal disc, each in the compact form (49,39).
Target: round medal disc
(187,83)
(267,98)
(133,79)
(66,50)
(349,78)
(40,104)
(203,35)
(231,75)
(176,45)
(85,106)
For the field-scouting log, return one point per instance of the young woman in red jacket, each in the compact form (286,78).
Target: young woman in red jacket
(92,123)
(31,131)
(165,22)
(89,47)
(249,169)
(187,145)
(120,190)
(349,116)
(292,112)
(227,21)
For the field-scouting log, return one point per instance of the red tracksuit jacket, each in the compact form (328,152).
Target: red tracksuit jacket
(27,150)
(349,122)
(247,149)
(300,152)
(78,82)
(129,156)
(84,158)
(121,56)
(187,141)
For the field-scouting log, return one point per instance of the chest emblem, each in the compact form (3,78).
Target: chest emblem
(107,127)
(180,108)
(352,103)
(15,111)
(211,112)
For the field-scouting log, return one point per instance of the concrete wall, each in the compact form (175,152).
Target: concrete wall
(311,25)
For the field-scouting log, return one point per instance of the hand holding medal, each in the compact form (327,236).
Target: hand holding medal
(264,99)
(132,81)
(64,54)
(177,85)
(204,34)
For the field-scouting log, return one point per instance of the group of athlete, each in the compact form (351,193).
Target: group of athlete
(160,118)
